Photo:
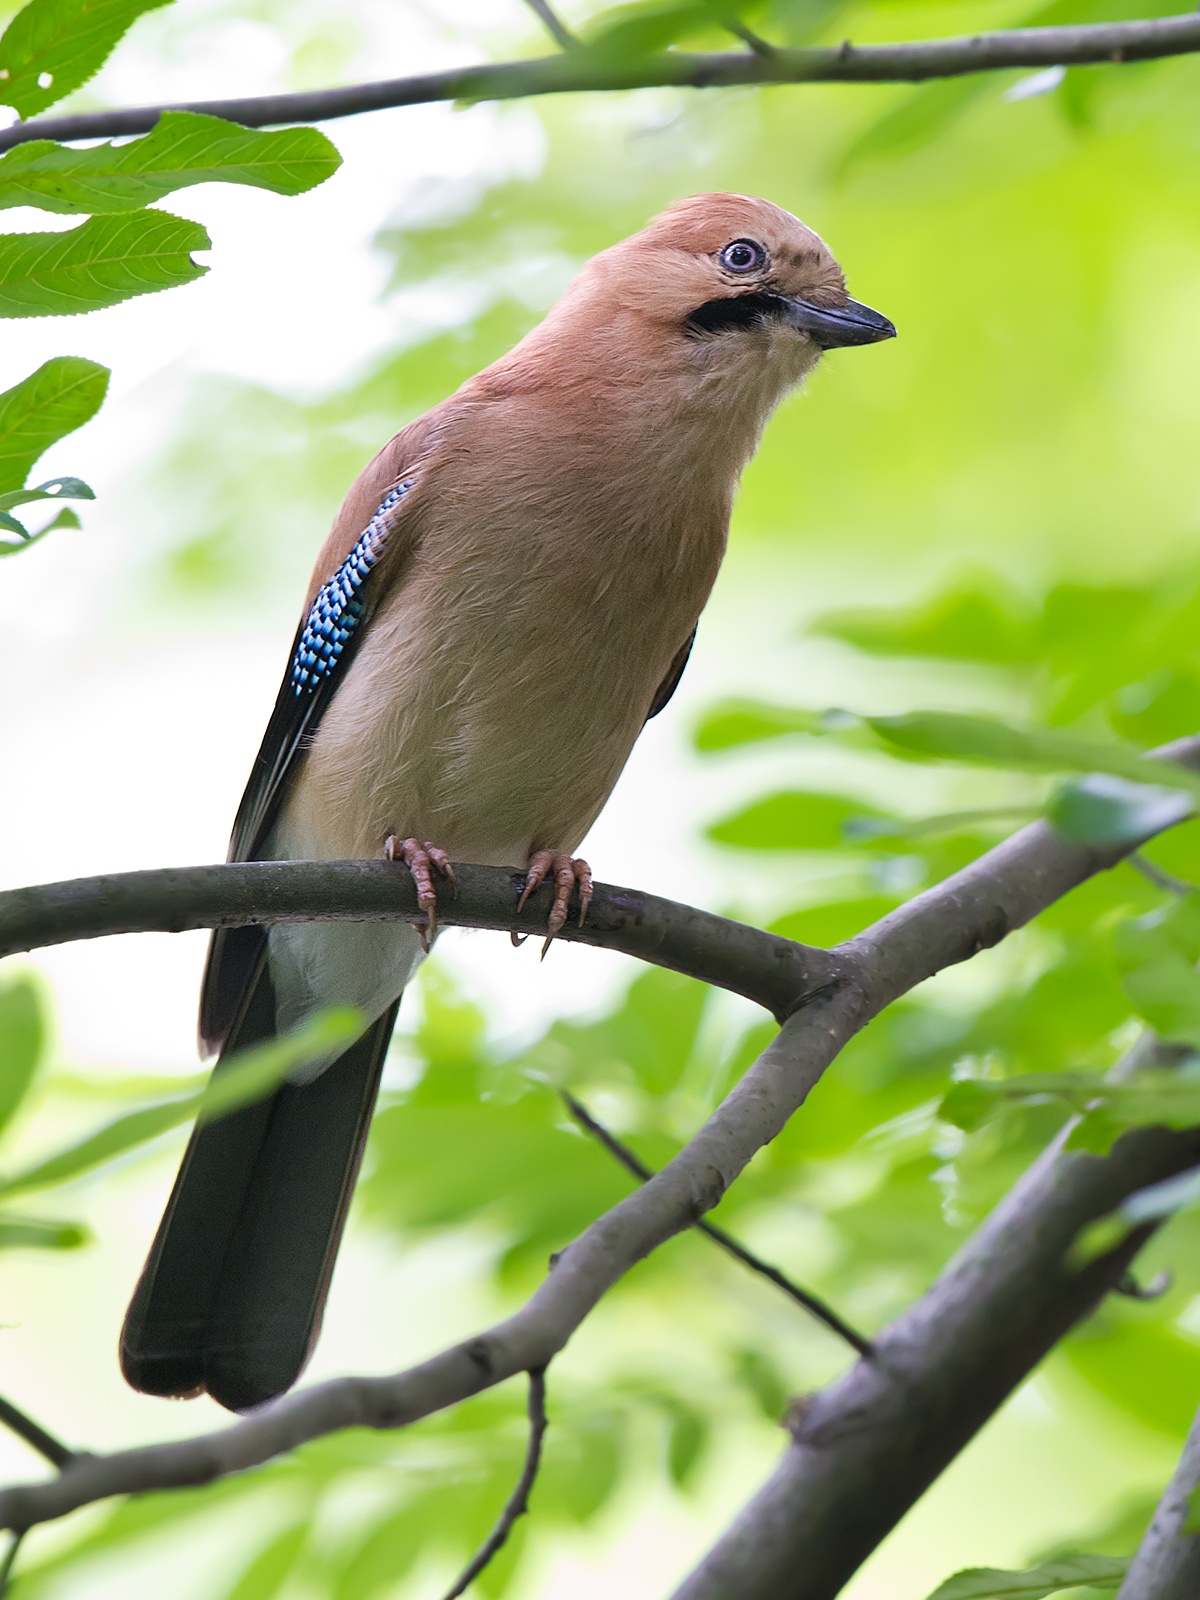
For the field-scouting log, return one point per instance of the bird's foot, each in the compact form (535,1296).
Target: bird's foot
(567,871)
(422,860)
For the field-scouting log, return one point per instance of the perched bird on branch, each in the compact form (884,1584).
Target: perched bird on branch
(509,593)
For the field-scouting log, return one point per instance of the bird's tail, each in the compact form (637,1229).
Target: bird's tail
(231,1297)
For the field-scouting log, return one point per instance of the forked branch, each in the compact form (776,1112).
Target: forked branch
(518,1501)
(975,908)
(811,1303)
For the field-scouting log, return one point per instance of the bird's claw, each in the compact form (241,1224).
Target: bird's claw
(422,860)
(567,871)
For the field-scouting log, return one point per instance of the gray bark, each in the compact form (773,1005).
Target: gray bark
(867,1448)
(777,973)
(1167,1564)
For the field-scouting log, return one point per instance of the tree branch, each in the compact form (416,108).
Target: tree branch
(518,1501)
(774,972)
(972,909)
(811,1303)
(55,1452)
(868,1447)
(553,24)
(1167,1565)
(590,69)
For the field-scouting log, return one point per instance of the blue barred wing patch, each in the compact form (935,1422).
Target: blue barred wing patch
(337,609)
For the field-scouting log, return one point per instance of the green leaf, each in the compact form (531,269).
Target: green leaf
(102,262)
(688,1433)
(736,722)
(59,397)
(1157,956)
(1103,810)
(980,619)
(583,1463)
(919,118)
(1192,1521)
(1171,1197)
(1149,1368)
(1096,1132)
(794,821)
(184,148)
(969,1104)
(870,830)
(66,518)
(1098,1239)
(134,1518)
(52,489)
(243,1079)
(254,1073)
(126,1133)
(762,1378)
(646,26)
(834,921)
(947,735)
(22,1037)
(53,46)
(1067,1572)
(37,1233)
(1168,1096)
(272,1566)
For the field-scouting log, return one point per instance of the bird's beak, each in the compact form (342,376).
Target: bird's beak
(852,323)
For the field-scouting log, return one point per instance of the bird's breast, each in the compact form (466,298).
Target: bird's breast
(502,682)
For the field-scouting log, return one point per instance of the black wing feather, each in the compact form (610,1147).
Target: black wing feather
(324,645)
(671,682)
(323,648)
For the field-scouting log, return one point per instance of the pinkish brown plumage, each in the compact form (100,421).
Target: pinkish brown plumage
(563,519)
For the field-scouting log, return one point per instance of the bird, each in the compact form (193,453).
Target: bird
(509,593)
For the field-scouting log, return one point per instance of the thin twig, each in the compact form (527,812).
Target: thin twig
(585,69)
(757,43)
(811,1303)
(55,1452)
(6,1566)
(518,1501)
(553,23)
(1159,877)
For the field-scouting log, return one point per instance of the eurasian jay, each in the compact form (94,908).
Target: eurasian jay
(509,593)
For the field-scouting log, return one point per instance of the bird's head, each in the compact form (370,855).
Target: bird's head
(695,327)
(715,267)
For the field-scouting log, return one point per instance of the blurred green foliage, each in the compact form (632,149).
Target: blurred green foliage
(49,49)
(994,517)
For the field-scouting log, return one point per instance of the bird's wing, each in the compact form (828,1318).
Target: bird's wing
(367,548)
(671,682)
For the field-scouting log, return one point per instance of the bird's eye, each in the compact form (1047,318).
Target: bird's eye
(743,255)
